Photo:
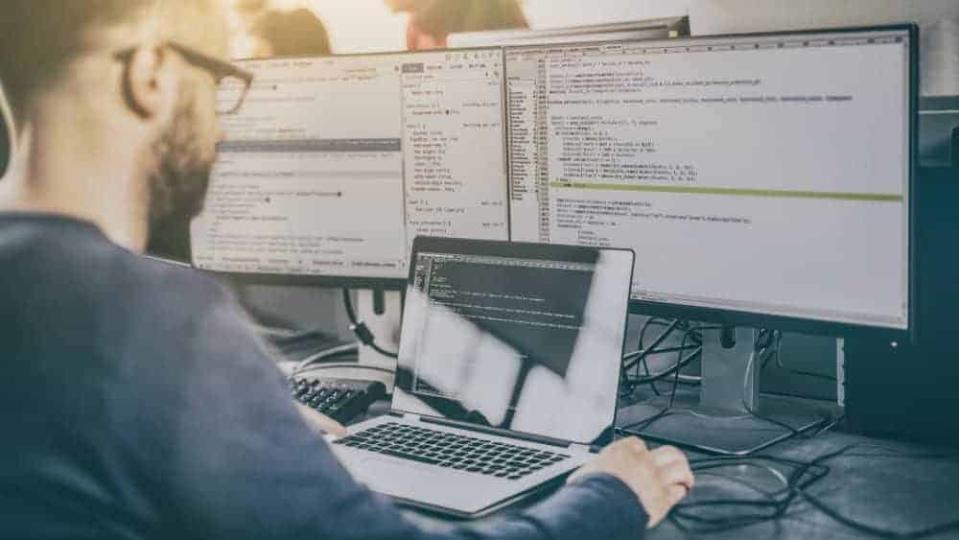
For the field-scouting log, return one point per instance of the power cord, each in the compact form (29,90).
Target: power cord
(346,365)
(363,332)
(630,374)
(325,355)
(766,344)
(772,505)
(750,367)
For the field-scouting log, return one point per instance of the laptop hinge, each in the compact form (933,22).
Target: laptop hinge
(541,439)
(583,448)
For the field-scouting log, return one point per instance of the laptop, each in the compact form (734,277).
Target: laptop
(507,374)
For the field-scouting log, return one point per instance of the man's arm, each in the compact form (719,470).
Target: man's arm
(236,460)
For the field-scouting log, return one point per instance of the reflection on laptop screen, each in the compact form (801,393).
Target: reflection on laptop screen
(527,344)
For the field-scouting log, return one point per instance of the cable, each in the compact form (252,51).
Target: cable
(867,528)
(332,352)
(347,365)
(782,366)
(672,370)
(750,366)
(771,506)
(642,353)
(764,341)
(688,517)
(359,328)
(681,362)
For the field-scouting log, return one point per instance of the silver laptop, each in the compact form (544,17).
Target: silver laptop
(507,374)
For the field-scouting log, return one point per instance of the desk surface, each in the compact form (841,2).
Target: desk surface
(882,483)
(889,485)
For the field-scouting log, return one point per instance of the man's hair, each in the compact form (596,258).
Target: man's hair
(440,18)
(38,38)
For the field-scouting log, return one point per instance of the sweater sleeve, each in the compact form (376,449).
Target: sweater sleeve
(231,458)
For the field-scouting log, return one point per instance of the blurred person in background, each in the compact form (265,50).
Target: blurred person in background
(249,10)
(290,33)
(432,21)
(399,6)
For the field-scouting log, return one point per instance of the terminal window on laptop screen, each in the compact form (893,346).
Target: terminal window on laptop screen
(514,343)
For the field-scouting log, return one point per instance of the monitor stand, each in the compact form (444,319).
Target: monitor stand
(382,312)
(720,422)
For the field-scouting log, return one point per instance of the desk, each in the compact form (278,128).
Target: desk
(902,494)
(886,491)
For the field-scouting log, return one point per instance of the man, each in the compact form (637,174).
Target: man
(134,401)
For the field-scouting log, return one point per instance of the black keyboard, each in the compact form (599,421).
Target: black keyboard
(452,451)
(341,399)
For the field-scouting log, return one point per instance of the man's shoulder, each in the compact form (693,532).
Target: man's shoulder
(76,262)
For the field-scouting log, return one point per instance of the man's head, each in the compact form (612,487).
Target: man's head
(127,70)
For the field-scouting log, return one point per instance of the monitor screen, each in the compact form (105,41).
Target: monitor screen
(519,338)
(334,165)
(764,174)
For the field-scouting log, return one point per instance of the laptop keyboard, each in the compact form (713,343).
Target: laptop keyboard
(452,451)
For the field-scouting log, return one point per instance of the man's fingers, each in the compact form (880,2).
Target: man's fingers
(677,473)
(331,426)
(667,455)
(635,444)
(675,493)
(322,422)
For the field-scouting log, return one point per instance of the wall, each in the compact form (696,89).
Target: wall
(724,16)
(368,25)
(358,26)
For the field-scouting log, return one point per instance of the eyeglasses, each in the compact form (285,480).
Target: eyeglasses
(233,82)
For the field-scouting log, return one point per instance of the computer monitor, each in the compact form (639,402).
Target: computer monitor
(335,164)
(763,180)
(667,27)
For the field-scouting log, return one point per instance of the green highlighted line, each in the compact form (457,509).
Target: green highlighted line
(736,192)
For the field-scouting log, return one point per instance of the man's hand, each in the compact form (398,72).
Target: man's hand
(660,478)
(321,423)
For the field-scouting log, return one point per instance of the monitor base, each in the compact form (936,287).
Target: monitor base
(716,431)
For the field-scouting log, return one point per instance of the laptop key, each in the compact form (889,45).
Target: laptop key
(411,457)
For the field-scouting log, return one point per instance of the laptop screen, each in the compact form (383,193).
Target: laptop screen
(515,336)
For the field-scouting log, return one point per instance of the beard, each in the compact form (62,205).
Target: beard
(178,182)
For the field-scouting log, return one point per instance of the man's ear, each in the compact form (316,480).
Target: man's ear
(149,83)
(8,134)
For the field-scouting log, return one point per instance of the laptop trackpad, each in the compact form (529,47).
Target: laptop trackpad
(423,483)
(376,472)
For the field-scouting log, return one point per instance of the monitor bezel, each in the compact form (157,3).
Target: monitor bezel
(736,317)
(576,34)
(520,250)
